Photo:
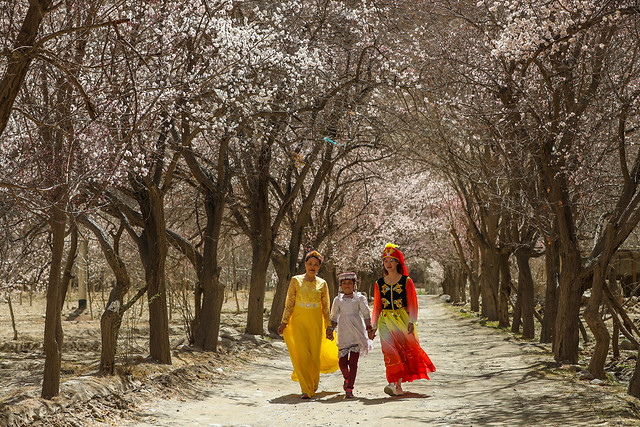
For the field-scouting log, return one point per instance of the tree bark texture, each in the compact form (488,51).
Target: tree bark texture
(110,322)
(208,324)
(255,305)
(331,277)
(566,339)
(634,383)
(111,318)
(597,325)
(504,290)
(551,293)
(526,290)
(447,280)
(457,280)
(153,252)
(67,275)
(209,294)
(462,285)
(517,312)
(52,327)
(13,318)
(489,282)
(474,281)
(20,59)
(282,265)
(261,236)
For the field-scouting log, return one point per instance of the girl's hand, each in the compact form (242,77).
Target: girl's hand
(281,328)
(372,333)
(410,327)
(330,334)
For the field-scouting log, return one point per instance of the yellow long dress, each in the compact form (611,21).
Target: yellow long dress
(306,313)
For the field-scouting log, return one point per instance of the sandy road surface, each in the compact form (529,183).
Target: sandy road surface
(483,378)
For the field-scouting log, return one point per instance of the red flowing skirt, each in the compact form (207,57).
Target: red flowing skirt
(404,359)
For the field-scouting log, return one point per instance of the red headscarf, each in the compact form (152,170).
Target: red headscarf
(391,251)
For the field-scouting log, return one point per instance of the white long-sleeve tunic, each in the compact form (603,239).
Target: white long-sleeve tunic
(349,314)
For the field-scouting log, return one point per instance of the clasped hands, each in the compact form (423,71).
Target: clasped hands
(329,333)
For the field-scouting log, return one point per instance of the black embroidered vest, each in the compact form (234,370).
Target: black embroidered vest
(393,297)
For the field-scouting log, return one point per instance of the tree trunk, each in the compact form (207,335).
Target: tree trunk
(153,253)
(255,306)
(464,271)
(282,264)
(20,59)
(114,310)
(261,235)
(209,293)
(197,310)
(517,312)
(615,339)
(110,327)
(13,318)
(67,274)
(565,344)
(617,292)
(206,333)
(52,326)
(504,290)
(597,325)
(446,280)
(82,270)
(474,281)
(551,293)
(634,383)
(526,290)
(208,325)
(489,282)
(455,289)
(462,286)
(331,278)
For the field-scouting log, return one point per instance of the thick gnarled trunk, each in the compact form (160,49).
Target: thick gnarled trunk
(207,323)
(153,253)
(111,318)
(566,338)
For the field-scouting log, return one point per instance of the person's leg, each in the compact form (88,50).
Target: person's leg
(353,368)
(343,362)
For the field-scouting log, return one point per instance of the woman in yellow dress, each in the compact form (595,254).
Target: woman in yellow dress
(304,327)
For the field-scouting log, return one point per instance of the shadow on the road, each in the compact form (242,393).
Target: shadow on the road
(335,397)
(530,371)
(295,398)
(389,399)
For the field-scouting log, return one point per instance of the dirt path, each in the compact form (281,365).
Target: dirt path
(483,378)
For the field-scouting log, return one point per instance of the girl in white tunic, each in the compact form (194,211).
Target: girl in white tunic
(350,313)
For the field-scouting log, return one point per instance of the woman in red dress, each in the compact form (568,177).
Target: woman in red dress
(395,312)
